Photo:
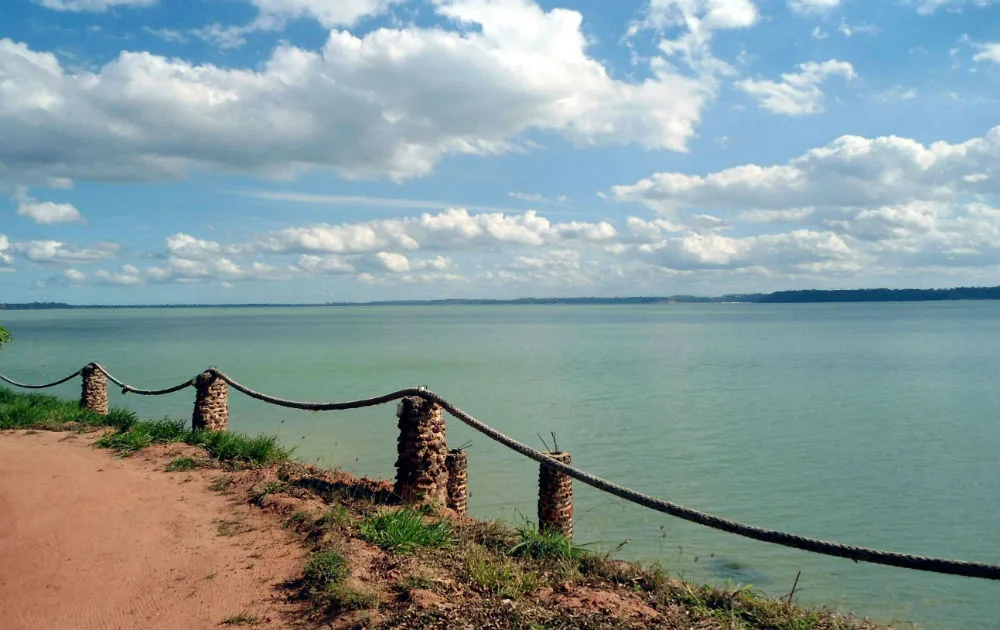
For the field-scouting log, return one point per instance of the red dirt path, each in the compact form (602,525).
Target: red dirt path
(91,542)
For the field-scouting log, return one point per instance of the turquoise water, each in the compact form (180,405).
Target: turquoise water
(871,424)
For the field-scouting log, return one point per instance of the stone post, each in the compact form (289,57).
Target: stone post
(421,474)
(95,390)
(555,497)
(211,403)
(457,463)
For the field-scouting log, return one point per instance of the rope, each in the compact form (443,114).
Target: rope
(814,545)
(126,388)
(858,554)
(47,385)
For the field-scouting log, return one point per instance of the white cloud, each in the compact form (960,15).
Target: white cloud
(818,33)
(798,93)
(851,171)
(897,93)
(74,276)
(813,6)
(6,259)
(59,253)
(45,212)
(96,6)
(329,13)
(849,30)
(927,7)
(539,198)
(390,103)
(697,21)
(988,52)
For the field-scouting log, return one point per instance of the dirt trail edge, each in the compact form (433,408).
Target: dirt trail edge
(92,542)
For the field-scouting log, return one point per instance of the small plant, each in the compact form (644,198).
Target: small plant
(5,336)
(258,494)
(405,530)
(220,484)
(323,578)
(337,516)
(242,619)
(182,464)
(296,519)
(261,450)
(141,434)
(502,577)
(546,544)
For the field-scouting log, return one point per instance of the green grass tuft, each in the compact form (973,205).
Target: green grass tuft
(502,577)
(142,434)
(546,544)
(261,450)
(324,577)
(242,619)
(182,464)
(41,411)
(405,530)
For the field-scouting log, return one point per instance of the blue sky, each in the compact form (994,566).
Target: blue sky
(169,151)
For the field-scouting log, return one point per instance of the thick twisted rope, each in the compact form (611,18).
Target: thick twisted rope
(128,389)
(45,386)
(858,554)
(814,545)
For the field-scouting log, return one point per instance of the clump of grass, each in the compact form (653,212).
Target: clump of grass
(546,544)
(260,450)
(229,529)
(405,530)
(337,516)
(258,494)
(182,464)
(220,484)
(324,577)
(502,577)
(40,411)
(242,619)
(142,434)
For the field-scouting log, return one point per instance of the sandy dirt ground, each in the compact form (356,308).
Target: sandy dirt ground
(91,541)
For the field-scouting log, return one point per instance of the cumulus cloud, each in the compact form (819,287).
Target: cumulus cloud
(47,252)
(6,258)
(45,212)
(539,198)
(329,13)
(798,93)
(988,52)
(95,6)
(813,6)
(927,7)
(392,102)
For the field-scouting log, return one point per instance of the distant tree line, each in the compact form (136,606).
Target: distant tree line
(883,295)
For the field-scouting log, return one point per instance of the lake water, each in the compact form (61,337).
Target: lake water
(870,424)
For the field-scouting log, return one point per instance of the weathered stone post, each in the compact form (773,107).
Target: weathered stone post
(211,403)
(555,496)
(95,390)
(457,463)
(421,473)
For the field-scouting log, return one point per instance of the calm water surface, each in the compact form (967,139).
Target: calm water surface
(871,424)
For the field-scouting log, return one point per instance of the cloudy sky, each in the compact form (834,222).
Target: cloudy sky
(165,151)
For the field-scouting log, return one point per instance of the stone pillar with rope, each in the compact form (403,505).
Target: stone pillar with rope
(94,395)
(211,405)
(457,463)
(422,450)
(555,497)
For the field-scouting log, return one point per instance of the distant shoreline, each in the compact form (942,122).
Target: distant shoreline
(808,296)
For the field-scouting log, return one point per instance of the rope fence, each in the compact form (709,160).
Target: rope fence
(422,474)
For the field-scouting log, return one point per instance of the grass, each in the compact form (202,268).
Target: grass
(405,530)
(545,544)
(242,619)
(324,577)
(337,516)
(182,464)
(41,411)
(502,576)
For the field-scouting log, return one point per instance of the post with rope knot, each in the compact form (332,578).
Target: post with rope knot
(211,404)
(422,450)
(94,395)
(555,497)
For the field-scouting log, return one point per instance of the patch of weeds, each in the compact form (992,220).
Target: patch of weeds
(257,495)
(295,520)
(416,582)
(182,464)
(141,434)
(233,528)
(336,516)
(405,530)
(603,566)
(502,577)
(260,450)
(242,619)
(220,484)
(324,577)
(546,544)
(41,411)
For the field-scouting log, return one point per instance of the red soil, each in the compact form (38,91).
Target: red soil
(88,541)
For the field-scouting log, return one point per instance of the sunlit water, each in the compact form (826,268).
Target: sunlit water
(871,424)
